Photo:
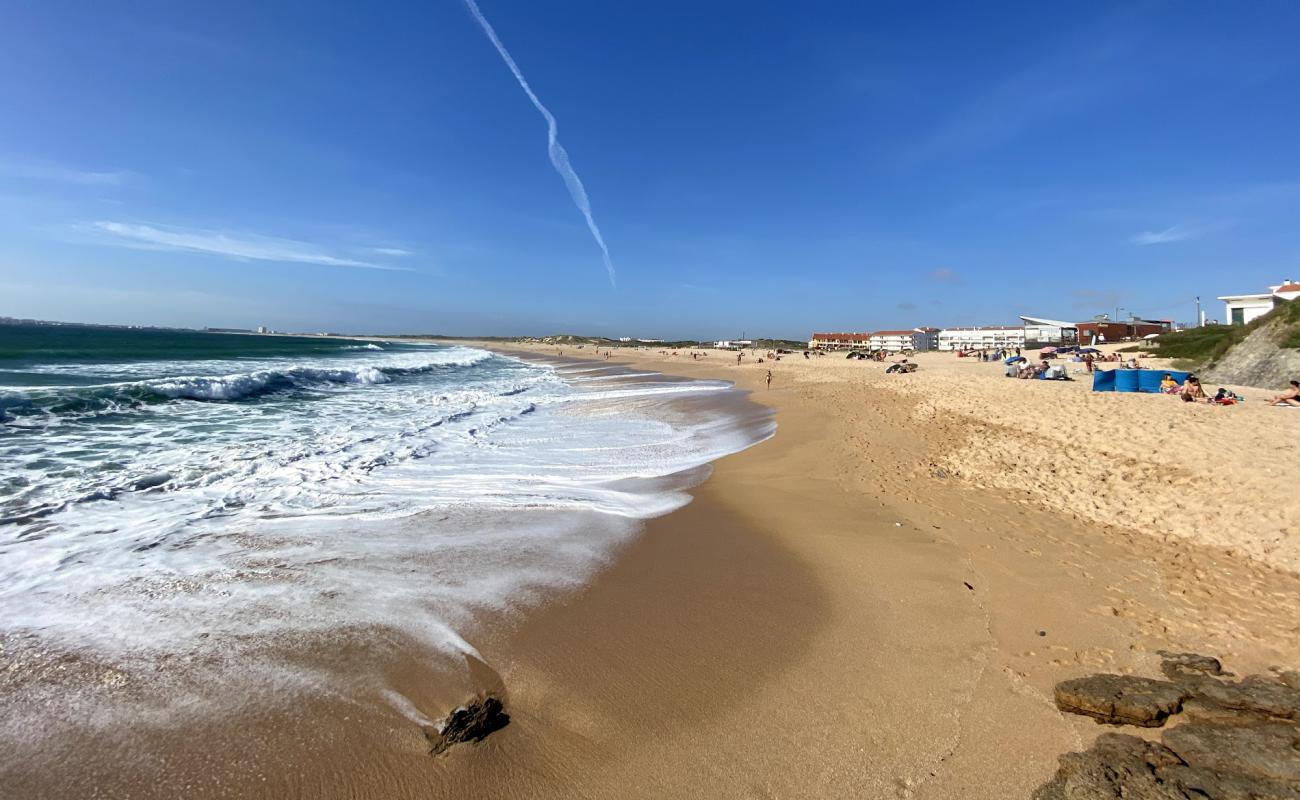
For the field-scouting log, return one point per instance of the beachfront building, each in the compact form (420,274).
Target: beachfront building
(1239,309)
(733,344)
(1042,332)
(839,341)
(1105,330)
(911,340)
(987,337)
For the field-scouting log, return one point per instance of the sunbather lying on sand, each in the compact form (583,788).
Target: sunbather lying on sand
(1291,397)
(1168,385)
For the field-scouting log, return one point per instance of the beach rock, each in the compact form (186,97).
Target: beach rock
(1241,740)
(1254,695)
(1268,752)
(1117,765)
(472,722)
(1182,665)
(1122,766)
(1121,699)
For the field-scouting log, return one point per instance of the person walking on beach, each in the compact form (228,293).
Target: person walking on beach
(738,357)
(769,379)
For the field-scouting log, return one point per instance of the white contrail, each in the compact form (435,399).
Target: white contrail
(559,157)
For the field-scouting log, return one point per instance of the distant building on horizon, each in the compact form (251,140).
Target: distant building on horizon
(910,340)
(1108,330)
(838,341)
(1240,309)
(986,337)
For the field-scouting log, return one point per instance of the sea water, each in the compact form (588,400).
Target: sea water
(201,499)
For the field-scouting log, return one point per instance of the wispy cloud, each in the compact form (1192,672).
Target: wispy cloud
(1166,236)
(906,306)
(1077,73)
(390,251)
(249,247)
(945,275)
(59,173)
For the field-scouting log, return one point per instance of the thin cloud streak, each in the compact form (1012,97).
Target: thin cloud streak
(559,156)
(1166,236)
(61,174)
(249,247)
(390,251)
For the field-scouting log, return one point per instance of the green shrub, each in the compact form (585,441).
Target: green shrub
(1200,347)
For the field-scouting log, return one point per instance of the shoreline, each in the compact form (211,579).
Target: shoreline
(832,615)
(929,619)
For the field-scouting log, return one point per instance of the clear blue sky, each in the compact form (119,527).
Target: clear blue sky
(767,167)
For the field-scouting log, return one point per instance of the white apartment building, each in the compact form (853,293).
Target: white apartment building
(988,337)
(913,340)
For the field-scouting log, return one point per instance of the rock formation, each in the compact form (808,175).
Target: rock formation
(1240,740)
(472,722)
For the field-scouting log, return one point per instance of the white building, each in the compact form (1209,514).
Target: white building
(989,337)
(1240,309)
(1040,331)
(912,340)
(732,344)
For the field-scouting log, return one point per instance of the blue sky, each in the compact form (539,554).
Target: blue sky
(771,168)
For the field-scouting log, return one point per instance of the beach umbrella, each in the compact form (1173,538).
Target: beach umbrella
(1048,350)
(1014,359)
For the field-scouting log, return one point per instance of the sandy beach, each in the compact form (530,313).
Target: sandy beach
(878,601)
(875,602)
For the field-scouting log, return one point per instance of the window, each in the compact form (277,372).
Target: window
(1238,316)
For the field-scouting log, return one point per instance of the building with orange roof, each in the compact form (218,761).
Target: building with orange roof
(839,341)
(1239,309)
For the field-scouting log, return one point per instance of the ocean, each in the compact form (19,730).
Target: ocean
(183,511)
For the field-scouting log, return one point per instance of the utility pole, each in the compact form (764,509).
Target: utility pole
(1198,311)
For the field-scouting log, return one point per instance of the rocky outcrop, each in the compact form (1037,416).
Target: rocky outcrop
(1241,740)
(472,722)
(1261,359)
(1121,699)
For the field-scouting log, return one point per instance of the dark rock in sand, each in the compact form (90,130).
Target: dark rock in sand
(1242,743)
(1115,766)
(1254,695)
(1121,766)
(1268,751)
(472,722)
(1121,699)
(1183,665)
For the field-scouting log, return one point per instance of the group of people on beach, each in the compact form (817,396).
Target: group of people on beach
(1190,390)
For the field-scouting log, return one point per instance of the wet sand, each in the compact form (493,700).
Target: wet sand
(829,619)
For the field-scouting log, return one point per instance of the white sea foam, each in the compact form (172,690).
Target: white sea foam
(405,489)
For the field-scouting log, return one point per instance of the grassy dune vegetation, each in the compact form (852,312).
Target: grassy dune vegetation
(1200,347)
